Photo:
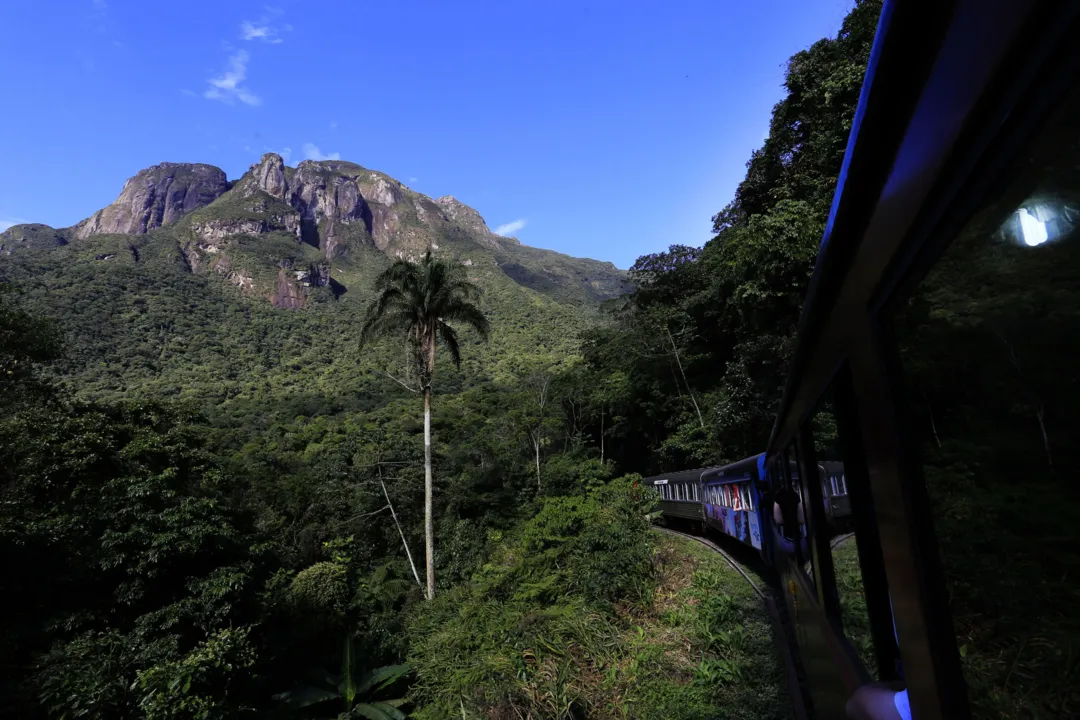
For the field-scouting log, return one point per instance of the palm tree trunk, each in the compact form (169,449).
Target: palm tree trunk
(601,434)
(429,524)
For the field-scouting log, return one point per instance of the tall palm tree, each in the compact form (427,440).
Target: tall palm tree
(419,301)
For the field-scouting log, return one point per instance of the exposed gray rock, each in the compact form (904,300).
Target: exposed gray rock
(313,275)
(159,195)
(461,214)
(215,230)
(328,202)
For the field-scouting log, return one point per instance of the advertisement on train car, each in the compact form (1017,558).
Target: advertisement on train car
(727,519)
(755,530)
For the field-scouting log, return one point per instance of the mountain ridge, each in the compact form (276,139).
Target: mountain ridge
(331,210)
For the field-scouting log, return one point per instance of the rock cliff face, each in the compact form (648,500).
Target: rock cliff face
(159,195)
(327,197)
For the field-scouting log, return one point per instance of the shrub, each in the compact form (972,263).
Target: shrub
(540,608)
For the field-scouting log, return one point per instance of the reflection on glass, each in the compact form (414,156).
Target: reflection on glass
(990,345)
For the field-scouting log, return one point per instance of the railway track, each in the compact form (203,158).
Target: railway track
(713,546)
(839,539)
(777,612)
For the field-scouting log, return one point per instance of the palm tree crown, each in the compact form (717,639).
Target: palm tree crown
(421,300)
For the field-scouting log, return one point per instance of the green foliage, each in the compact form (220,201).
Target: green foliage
(196,686)
(549,588)
(25,342)
(696,645)
(356,693)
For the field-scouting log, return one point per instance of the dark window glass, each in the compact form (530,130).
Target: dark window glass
(990,345)
(849,589)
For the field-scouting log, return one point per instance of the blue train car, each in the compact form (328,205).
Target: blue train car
(732,501)
(743,500)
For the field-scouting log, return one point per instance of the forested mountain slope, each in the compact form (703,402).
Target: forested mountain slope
(192,286)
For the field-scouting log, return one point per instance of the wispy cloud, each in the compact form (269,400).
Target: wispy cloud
(333,124)
(312,152)
(259,31)
(100,5)
(189,93)
(7,222)
(510,228)
(228,87)
(413,180)
(264,28)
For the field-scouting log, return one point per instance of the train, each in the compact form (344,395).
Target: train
(957,190)
(735,499)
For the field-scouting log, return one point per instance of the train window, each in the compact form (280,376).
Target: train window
(807,522)
(988,344)
(851,566)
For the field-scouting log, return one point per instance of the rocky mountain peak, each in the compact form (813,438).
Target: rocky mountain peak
(159,195)
(463,215)
(269,175)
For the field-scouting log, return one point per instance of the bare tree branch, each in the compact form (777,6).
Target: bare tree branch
(683,373)
(403,541)
(402,384)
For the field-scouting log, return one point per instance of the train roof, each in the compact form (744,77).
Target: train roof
(704,473)
(677,476)
(732,471)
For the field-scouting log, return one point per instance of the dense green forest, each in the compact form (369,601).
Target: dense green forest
(202,494)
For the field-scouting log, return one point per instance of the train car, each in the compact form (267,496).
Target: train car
(835,495)
(680,497)
(731,501)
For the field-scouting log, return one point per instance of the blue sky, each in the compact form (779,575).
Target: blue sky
(595,128)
